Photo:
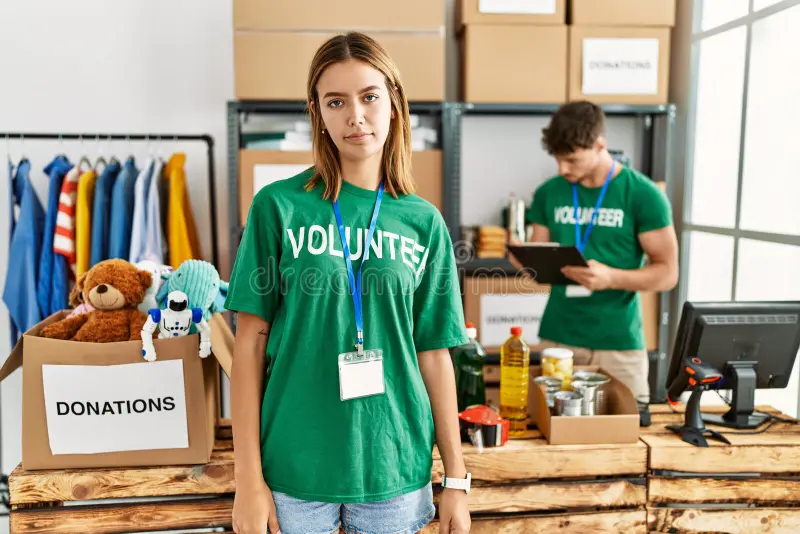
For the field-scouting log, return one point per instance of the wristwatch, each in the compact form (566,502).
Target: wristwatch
(457,483)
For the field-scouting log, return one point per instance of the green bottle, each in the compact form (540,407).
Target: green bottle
(469,360)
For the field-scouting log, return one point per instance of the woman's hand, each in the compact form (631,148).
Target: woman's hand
(254,511)
(454,512)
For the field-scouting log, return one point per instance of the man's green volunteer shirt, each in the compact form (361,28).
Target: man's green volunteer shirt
(290,271)
(610,319)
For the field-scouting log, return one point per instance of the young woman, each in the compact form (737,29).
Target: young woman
(347,297)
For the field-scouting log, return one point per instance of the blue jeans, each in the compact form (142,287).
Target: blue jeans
(406,514)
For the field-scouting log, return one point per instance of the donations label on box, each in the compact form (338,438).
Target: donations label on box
(528,7)
(623,66)
(112,408)
(500,312)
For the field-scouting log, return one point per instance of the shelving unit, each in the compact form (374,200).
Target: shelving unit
(657,127)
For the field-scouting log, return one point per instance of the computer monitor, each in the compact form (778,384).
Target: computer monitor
(752,344)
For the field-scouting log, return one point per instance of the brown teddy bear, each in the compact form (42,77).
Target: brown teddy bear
(114,288)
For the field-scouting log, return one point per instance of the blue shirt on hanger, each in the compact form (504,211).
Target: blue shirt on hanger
(122,199)
(101,212)
(48,293)
(19,294)
(139,225)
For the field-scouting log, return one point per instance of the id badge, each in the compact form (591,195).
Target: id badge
(361,375)
(578,291)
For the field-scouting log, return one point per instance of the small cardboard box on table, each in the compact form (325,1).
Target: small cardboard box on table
(619,425)
(103,405)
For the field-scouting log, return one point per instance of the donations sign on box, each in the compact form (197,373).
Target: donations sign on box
(94,409)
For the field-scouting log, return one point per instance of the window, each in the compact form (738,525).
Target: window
(767,271)
(710,267)
(718,12)
(771,188)
(717,129)
(761,4)
(741,225)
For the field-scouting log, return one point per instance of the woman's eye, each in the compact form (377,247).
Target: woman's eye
(335,103)
(371,98)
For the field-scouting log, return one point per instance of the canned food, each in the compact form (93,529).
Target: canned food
(592,386)
(568,403)
(557,362)
(552,386)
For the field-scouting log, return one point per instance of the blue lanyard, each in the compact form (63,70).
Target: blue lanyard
(355,283)
(581,244)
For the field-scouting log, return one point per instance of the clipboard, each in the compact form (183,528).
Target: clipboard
(545,261)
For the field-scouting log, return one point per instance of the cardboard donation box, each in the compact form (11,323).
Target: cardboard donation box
(534,57)
(508,12)
(102,405)
(623,12)
(619,425)
(619,65)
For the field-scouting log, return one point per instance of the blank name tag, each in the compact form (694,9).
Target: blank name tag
(361,375)
(578,291)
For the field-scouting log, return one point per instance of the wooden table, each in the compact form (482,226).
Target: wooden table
(660,484)
(525,486)
(750,486)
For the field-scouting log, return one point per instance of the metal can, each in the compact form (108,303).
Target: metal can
(568,403)
(592,386)
(552,385)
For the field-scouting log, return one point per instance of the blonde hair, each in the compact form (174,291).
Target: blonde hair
(396,157)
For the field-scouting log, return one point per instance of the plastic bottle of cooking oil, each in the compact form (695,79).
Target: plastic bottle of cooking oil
(514,361)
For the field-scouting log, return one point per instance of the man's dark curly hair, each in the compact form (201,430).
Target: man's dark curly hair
(574,126)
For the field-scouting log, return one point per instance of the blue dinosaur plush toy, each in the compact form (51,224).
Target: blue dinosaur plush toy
(202,284)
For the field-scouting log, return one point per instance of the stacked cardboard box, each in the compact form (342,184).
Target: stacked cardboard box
(513,50)
(275,41)
(620,50)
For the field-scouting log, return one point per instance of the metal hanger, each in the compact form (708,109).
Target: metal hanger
(23,157)
(100,158)
(84,164)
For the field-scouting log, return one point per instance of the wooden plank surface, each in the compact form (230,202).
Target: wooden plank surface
(85,484)
(519,459)
(765,491)
(628,521)
(554,496)
(776,450)
(744,520)
(124,518)
(119,518)
(533,458)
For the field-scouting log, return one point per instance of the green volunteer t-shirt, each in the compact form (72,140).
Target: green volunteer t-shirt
(610,319)
(290,270)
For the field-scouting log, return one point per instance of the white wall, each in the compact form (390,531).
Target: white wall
(122,66)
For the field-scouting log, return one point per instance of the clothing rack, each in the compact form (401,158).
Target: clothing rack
(207,139)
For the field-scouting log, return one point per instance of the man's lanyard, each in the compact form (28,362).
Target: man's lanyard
(581,244)
(355,283)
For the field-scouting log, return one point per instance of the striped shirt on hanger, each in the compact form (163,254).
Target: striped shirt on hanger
(64,239)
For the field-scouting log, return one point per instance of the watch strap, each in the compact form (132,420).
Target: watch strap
(457,483)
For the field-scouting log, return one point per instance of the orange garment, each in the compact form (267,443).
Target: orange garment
(181,230)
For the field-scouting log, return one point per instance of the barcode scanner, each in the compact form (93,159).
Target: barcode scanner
(697,377)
